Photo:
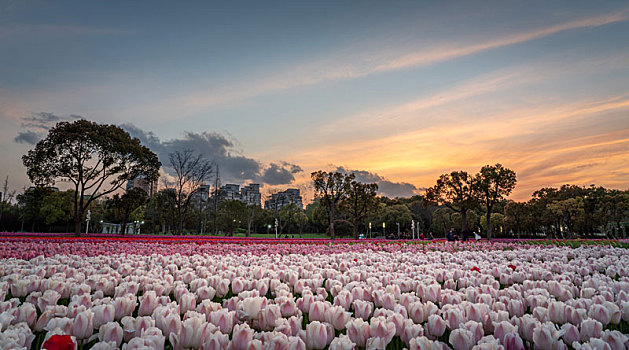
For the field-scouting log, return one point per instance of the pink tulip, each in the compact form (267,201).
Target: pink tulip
(216,341)
(545,336)
(241,337)
(124,306)
(570,333)
(223,319)
(615,339)
(317,335)
(512,341)
(191,332)
(590,329)
(358,331)
(436,326)
(103,314)
(269,316)
(26,313)
(83,326)
(111,332)
(454,317)
(337,317)
(362,309)
(63,323)
(342,343)
(148,303)
(317,311)
(48,298)
(461,339)
(379,327)
(188,302)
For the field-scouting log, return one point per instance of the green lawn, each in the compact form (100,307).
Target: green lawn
(264,235)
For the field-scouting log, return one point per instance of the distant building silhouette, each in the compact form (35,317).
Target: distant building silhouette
(282,199)
(250,194)
(140,182)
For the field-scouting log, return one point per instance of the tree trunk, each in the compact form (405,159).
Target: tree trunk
(355,228)
(464,223)
(77,226)
(331,214)
(489,228)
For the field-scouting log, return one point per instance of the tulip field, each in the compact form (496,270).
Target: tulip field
(216,293)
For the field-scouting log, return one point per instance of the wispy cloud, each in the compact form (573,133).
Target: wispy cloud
(51,30)
(343,66)
(448,52)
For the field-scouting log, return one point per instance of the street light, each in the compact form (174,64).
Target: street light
(384,225)
(87,218)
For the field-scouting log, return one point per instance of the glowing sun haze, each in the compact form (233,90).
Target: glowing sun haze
(402,91)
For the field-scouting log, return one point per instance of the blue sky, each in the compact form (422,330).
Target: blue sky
(402,90)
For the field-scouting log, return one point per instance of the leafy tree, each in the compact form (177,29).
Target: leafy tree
(422,212)
(568,211)
(497,220)
(97,159)
(31,203)
(161,209)
(472,221)
(394,214)
(491,185)
(442,219)
(253,212)
(616,207)
(517,215)
(289,215)
(330,188)
(191,171)
(317,216)
(127,203)
(57,207)
(361,201)
(455,191)
(231,213)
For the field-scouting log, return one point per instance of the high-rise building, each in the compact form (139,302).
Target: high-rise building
(141,182)
(282,199)
(250,194)
(202,195)
(229,192)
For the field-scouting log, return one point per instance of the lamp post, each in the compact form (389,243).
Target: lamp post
(413,228)
(398,229)
(370,230)
(276,224)
(384,225)
(87,218)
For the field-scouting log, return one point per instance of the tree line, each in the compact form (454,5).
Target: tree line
(97,160)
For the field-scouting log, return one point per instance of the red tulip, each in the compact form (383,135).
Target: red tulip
(59,342)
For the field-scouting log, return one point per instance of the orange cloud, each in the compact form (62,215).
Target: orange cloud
(532,141)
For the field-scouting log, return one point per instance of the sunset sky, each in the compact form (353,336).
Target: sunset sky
(399,91)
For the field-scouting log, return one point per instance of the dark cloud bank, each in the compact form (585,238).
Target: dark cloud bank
(233,166)
(385,187)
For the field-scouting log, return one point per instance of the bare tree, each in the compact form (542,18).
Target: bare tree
(5,197)
(191,171)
